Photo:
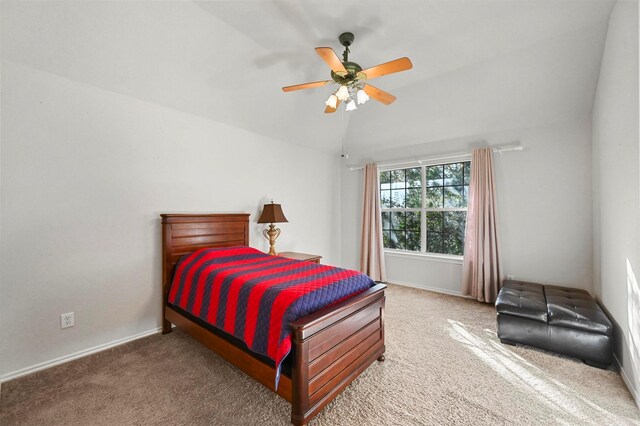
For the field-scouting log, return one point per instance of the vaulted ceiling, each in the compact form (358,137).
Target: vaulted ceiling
(478,65)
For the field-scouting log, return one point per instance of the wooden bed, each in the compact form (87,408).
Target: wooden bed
(330,348)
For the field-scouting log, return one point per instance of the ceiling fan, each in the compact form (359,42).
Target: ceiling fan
(352,78)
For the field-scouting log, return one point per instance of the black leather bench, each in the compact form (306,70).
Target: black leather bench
(559,319)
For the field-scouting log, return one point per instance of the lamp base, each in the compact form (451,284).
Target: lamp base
(271,234)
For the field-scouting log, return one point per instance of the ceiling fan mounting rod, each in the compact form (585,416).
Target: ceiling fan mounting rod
(346,39)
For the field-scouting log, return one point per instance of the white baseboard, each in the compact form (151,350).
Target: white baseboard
(429,288)
(75,355)
(627,381)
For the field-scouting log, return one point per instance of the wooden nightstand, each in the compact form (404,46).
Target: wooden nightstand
(301,256)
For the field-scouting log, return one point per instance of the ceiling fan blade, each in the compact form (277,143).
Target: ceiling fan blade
(330,57)
(398,65)
(329,110)
(305,86)
(379,95)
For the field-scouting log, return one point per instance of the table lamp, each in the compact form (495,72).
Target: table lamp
(272,213)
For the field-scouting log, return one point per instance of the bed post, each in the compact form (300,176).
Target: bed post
(166,274)
(300,382)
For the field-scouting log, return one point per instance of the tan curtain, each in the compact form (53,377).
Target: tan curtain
(481,274)
(371,248)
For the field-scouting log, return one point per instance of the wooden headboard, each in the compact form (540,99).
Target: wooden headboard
(184,233)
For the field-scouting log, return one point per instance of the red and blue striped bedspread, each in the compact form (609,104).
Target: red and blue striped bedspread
(254,296)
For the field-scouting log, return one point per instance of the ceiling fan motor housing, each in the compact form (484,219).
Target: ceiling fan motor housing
(354,71)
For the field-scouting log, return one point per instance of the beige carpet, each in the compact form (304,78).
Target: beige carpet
(443,365)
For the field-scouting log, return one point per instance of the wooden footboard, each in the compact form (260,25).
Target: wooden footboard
(332,347)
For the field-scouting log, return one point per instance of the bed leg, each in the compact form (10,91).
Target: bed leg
(166,326)
(381,358)
(298,422)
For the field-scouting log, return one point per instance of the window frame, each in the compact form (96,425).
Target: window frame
(423,209)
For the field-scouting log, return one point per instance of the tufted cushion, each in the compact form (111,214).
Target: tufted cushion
(522,299)
(575,308)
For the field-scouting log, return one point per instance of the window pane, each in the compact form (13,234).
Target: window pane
(402,240)
(453,244)
(435,221)
(434,176)
(454,223)
(412,221)
(386,240)
(413,241)
(397,198)
(434,197)
(453,174)
(414,180)
(414,198)
(397,240)
(397,221)
(393,240)
(385,180)
(467,172)
(434,242)
(386,224)
(397,179)
(385,199)
(454,196)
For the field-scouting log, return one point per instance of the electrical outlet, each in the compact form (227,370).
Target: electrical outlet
(66,320)
(511,277)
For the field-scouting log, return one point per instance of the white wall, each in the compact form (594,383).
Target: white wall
(85,174)
(616,187)
(544,207)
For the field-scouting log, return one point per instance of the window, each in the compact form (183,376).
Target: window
(424,209)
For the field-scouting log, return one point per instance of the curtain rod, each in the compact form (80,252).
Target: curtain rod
(448,157)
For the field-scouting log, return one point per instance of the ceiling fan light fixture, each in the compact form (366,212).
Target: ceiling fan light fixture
(351,105)
(362,97)
(342,93)
(332,102)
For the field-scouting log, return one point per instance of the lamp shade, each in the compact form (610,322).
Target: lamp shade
(362,96)
(342,93)
(272,213)
(332,101)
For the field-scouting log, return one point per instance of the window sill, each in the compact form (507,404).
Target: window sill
(445,258)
